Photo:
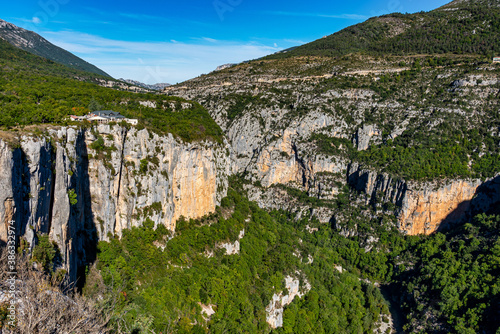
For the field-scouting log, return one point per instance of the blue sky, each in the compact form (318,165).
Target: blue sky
(172,41)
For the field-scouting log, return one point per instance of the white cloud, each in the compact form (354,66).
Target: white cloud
(332,16)
(36,20)
(211,40)
(295,42)
(153,62)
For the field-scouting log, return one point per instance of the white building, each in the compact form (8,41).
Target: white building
(104,117)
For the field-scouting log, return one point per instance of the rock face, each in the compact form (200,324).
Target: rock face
(60,185)
(378,187)
(487,198)
(292,122)
(223,67)
(425,207)
(427,210)
(420,207)
(274,310)
(364,135)
(232,248)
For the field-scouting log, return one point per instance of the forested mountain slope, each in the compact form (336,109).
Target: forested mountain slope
(35,90)
(462,27)
(36,44)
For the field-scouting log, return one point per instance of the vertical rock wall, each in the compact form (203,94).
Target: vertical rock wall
(58,184)
(426,210)
(425,207)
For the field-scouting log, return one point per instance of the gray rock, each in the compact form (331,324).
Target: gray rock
(59,185)
(364,135)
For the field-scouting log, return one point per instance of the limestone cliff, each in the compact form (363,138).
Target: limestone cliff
(364,135)
(62,184)
(378,187)
(297,123)
(425,211)
(425,207)
(419,207)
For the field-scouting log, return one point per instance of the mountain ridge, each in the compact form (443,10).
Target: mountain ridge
(461,27)
(34,43)
(299,122)
(157,86)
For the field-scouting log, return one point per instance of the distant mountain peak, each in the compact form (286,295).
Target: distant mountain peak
(11,34)
(156,86)
(464,3)
(5,24)
(36,44)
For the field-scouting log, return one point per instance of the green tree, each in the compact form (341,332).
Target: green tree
(44,252)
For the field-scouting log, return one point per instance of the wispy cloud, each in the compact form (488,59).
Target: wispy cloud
(201,39)
(34,19)
(95,10)
(333,16)
(208,39)
(153,62)
(295,41)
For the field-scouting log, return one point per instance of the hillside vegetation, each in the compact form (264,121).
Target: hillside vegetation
(153,280)
(462,27)
(164,286)
(37,45)
(34,90)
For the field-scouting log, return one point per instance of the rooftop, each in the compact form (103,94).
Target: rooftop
(108,113)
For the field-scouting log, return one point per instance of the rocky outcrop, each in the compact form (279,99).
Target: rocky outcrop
(364,135)
(487,197)
(207,310)
(277,198)
(274,310)
(79,193)
(435,206)
(425,207)
(283,155)
(7,204)
(234,247)
(223,67)
(420,207)
(379,187)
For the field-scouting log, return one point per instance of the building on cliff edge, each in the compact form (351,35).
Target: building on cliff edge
(104,117)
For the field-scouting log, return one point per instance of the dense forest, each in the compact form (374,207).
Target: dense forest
(151,279)
(191,270)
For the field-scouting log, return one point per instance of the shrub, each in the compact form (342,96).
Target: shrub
(44,252)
